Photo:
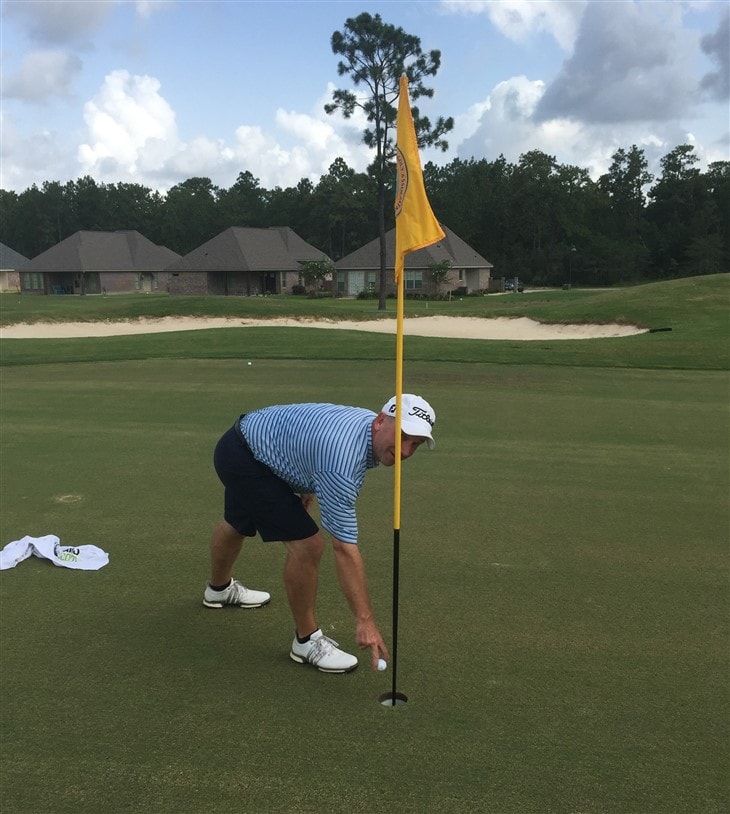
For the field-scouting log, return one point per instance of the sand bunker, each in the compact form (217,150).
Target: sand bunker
(505,328)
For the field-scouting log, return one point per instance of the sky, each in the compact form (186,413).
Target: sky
(155,92)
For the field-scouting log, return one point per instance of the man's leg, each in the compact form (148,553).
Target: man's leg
(301,574)
(310,645)
(222,590)
(225,546)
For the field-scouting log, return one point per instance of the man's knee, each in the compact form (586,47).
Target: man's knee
(226,534)
(310,549)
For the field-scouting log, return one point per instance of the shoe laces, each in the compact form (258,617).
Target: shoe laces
(321,647)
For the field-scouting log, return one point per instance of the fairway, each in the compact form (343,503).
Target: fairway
(563,632)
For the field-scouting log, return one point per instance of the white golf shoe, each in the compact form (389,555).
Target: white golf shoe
(235,594)
(323,653)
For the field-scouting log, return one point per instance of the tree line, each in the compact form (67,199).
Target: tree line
(545,222)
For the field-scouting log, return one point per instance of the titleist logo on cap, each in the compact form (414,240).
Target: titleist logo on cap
(415,410)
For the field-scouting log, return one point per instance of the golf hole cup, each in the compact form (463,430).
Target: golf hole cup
(391,699)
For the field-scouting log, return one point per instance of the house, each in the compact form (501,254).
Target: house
(98,263)
(10,261)
(360,271)
(243,261)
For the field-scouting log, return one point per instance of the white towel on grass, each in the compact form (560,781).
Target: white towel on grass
(80,557)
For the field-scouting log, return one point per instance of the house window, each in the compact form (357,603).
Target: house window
(414,280)
(341,282)
(461,275)
(32,281)
(371,275)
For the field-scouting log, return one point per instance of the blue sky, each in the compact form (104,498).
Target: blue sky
(157,92)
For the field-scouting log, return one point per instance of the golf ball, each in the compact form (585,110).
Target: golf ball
(250,363)
(382,664)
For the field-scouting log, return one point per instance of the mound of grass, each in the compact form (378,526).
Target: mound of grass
(674,303)
(695,309)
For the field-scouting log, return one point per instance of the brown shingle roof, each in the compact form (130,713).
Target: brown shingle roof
(452,248)
(103,251)
(241,248)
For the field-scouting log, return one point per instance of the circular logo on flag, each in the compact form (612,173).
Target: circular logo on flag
(402,180)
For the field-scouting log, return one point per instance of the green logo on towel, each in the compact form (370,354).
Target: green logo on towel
(68,554)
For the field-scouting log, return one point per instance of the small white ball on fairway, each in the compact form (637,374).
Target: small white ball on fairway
(250,363)
(382,664)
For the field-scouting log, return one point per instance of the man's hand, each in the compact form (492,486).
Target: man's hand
(368,635)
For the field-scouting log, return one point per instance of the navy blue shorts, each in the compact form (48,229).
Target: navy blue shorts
(255,499)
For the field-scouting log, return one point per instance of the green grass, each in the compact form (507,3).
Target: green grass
(673,303)
(563,606)
(695,309)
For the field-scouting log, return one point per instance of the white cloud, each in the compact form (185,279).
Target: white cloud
(201,157)
(325,138)
(24,159)
(302,145)
(265,158)
(466,124)
(42,75)
(716,84)
(632,62)
(127,118)
(146,8)
(58,21)
(503,118)
(313,144)
(133,136)
(69,27)
(485,122)
(68,22)
(505,124)
(311,131)
(520,20)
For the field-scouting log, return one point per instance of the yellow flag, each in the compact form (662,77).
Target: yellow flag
(415,224)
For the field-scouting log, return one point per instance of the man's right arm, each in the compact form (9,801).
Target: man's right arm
(351,574)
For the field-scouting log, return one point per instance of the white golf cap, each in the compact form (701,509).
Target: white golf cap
(417,416)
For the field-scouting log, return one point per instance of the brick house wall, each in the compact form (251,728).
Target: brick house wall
(193,283)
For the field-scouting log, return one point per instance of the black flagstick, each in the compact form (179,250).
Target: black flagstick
(396,576)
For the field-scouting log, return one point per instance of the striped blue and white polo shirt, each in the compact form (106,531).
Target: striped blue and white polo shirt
(321,448)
